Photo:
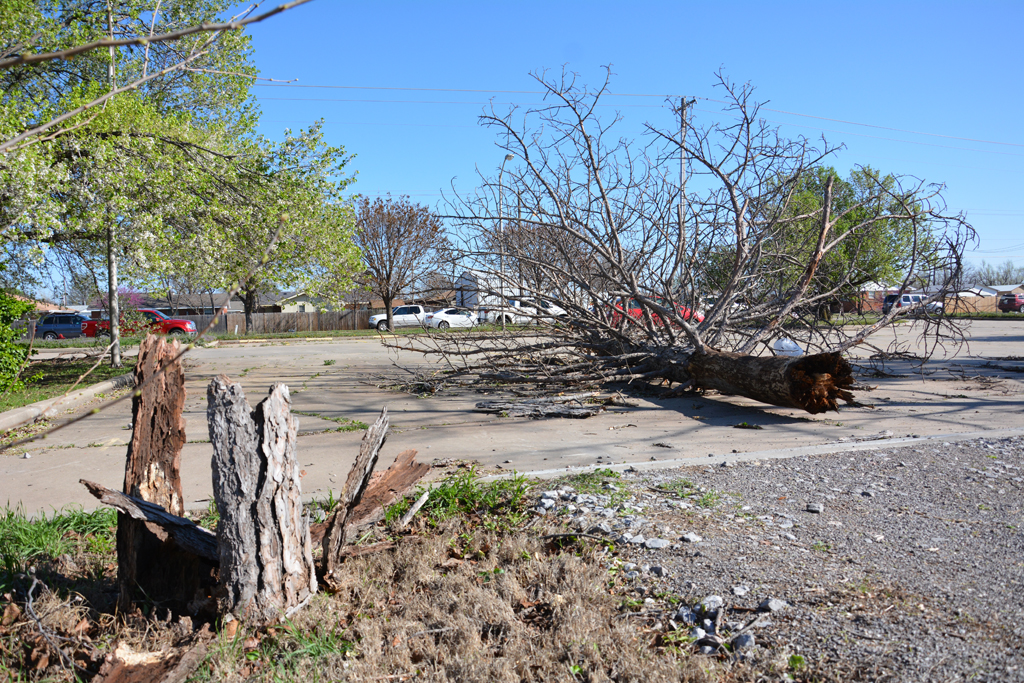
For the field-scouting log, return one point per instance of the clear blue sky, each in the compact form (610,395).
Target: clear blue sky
(953,73)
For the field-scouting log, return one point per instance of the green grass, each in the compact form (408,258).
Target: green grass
(24,540)
(80,343)
(591,482)
(708,499)
(680,487)
(499,505)
(57,376)
(347,425)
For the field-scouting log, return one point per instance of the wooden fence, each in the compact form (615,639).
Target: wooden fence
(264,323)
(972,304)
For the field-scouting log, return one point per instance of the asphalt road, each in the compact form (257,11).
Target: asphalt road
(975,388)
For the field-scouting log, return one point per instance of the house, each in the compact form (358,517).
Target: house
(477,289)
(869,297)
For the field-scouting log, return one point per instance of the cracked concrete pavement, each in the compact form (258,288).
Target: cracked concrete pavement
(979,388)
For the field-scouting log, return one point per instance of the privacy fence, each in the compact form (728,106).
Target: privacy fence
(263,323)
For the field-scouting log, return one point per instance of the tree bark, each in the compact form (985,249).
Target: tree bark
(811,383)
(266,556)
(148,558)
(186,533)
(249,302)
(355,485)
(389,309)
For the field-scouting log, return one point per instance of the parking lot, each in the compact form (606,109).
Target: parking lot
(976,388)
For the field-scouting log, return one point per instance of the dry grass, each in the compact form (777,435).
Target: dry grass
(459,606)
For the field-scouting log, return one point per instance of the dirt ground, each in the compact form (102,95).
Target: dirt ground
(337,383)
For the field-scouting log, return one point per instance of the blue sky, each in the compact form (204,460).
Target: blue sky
(939,85)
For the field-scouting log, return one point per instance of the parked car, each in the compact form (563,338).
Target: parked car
(404,316)
(909,300)
(515,313)
(633,310)
(1008,303)
(60,326)
(546,311)
(158,323)
(451,317)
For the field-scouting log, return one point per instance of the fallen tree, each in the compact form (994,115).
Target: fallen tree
(687,259)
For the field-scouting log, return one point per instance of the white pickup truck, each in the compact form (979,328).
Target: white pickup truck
(524,312)
(404,316)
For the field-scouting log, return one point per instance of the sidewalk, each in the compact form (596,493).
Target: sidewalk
(51,407)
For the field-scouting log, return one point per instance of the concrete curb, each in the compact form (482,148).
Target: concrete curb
(782,453)
(52,406)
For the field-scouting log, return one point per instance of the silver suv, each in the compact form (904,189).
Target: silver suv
(910,300)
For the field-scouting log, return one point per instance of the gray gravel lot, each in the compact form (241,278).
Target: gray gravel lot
(911,571)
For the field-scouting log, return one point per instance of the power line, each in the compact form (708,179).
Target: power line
(638,106)
(614,94)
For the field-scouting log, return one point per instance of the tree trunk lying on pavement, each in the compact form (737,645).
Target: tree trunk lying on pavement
(811,383)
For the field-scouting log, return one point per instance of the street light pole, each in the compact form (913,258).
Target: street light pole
(501,244)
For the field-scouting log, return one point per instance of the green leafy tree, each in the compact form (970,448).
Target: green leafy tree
(99,176)
(12,354)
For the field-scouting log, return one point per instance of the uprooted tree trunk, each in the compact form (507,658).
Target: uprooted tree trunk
(266,557)
(150,562)
(811,383)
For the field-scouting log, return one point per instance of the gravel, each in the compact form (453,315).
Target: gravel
(902,564)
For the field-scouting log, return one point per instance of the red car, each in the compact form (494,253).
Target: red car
(1008,303)
(633,310)
(158,322)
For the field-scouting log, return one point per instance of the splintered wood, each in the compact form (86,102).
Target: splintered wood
(266,557)
(149,562)
(553,406)
(258,567)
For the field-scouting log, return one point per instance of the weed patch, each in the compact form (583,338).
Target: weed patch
(54,376)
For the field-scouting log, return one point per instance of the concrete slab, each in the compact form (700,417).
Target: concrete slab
(976,389)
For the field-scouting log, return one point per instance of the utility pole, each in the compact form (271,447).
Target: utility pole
(682,174)
(501,246)
(112,303)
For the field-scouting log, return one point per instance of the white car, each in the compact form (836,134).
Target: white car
(544,310)
(404,316)
(450,317)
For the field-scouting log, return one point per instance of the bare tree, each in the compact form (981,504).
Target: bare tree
(633,240)
(399,241)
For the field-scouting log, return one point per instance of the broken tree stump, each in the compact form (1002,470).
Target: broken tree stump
(356,482)
(812,383)
(149,562)
(367,494)
(266,558)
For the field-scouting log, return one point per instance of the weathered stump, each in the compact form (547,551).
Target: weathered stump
(266,558)
(150,563)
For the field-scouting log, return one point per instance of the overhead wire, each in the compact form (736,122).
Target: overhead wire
(617,94)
